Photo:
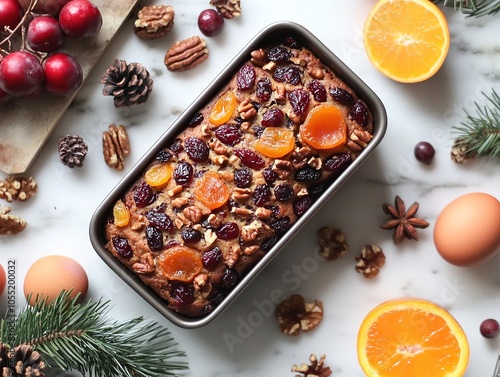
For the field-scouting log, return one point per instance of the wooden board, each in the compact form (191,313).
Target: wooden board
(25,125)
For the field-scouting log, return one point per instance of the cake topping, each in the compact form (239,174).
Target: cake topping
(180,263)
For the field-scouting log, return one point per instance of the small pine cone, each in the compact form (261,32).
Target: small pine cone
(72,150)
(459,153)
(28,362)
(129,84)
(17,188)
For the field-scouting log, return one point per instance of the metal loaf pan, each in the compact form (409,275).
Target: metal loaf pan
(271,34)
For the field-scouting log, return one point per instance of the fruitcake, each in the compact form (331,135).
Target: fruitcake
(230,184)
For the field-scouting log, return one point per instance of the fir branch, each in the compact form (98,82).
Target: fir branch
(479,134)
(473,8)
(81,337)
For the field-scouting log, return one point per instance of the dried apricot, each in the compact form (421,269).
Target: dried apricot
(180,263)
(223,109)
(211,190)
(275,142)
(158,175)
(121,214)
(324,127)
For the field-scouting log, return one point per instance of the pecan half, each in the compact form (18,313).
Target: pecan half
(154,21)
(359,139)
(115,146)
(370,261)
(294,315)
(229,9)
(186,54)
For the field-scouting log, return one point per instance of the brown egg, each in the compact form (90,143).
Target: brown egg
(467,231)
(50,275)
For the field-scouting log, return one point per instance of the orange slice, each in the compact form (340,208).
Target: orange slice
(406,40)
(412,338)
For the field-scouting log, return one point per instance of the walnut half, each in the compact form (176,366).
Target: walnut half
(370,261)
(332,243)
(294,315)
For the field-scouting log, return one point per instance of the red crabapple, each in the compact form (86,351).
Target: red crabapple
(45,34)
(63,74)
(80,19)
(210,22)
(21,73)
(11,14)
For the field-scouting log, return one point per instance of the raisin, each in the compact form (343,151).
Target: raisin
(163,156)
(154,238)
(283,192)
(196,120)
(122,247)
(190,235)
(359,113)
(279,54)
(301,205)
(258,131)
(274,117)
(243,178)
(228,231)
(342,96)
(307,174)
(211,258)
(269,175)
(288,74)
(229,279)
(317,189)
(299,99)
(160,220)
(264,90)
(281,225)
(245,78)
(318,90)
(144,195)
(261,195)
(181,293)
(250,158)
(176,147)
(268,243)
(183,173)
(229,134)
(337,163)
(196,149)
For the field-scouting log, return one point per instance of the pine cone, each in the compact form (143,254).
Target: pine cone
(72,150)
(129,84)
(17,188)
(26,362)
(460,154)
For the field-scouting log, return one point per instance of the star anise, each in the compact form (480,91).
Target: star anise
(403,222)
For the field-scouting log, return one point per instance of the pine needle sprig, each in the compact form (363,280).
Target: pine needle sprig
(83,338)
(473,8)
(479,134)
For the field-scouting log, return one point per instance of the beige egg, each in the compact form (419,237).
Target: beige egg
(50,275)
(467,231)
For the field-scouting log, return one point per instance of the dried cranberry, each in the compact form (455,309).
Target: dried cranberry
(275,210)
(307,174)
(274,117)
(163,156)
(337,163)
(176,147)
(250,158)
(264,90)
(196,149)
(269,175)
(268,243)
(243,178)
(359,112)
(283,192)
(228,231)
(279,54)
(245,78)
(215,301)
(318,90)
(190,235)
(160,220)
(144,195)
(288,74)
(342,96)
(154,238)
(122,247)
(229,134)
(181,293)
(229,279)
(301,205)
(281,225)
(211,258)
(299,99)
(196,120)
(183,173)
(261,195)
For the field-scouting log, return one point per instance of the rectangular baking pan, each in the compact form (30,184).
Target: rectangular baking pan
(270,35)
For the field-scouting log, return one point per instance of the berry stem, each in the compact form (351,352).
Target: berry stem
(20,25)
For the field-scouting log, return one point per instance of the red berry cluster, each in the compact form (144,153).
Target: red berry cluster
(41,28)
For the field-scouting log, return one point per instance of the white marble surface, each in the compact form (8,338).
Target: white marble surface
(59,214)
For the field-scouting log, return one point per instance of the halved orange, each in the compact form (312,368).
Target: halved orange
(412,338)
(406,40)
